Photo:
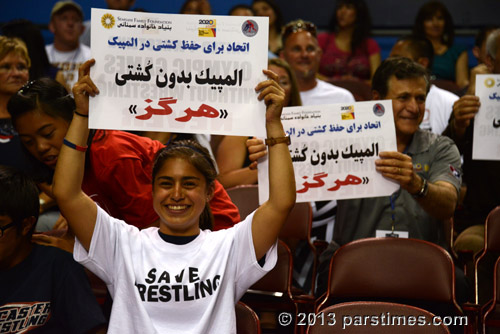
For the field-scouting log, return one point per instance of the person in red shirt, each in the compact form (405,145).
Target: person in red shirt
(119,164)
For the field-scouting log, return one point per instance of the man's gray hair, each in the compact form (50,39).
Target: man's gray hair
(492,43)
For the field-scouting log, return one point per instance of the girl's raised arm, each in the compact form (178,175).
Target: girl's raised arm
(271,215)
(78,209)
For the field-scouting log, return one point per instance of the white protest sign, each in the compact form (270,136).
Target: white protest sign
(334,148)
(486,141)
(178,73)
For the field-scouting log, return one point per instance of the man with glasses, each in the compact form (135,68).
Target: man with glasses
(41,288)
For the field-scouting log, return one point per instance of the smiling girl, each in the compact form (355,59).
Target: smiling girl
(177,278)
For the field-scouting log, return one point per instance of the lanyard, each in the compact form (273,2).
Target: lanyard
(392,200)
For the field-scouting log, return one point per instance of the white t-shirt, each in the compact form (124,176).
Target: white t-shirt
(159,287)
(325,93)
(68,62)
(438,108)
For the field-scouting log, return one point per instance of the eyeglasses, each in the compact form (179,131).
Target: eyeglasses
(3,228)
(298,25)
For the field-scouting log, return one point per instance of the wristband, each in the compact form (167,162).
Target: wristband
(272,141)
(423,191)
(74,146)
(81,115)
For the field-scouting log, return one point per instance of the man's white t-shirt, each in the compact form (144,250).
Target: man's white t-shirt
(159,287)
(438,108)
(325,93)
(68,62)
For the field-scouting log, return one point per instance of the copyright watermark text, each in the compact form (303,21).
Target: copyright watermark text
(382,319)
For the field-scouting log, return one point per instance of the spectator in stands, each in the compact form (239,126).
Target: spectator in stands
(232,157)
(426,166)
(197,7)
(42,289)
(139,266)
(481,177)
(439,102)
(348,51)
(119,164)
(479,49)
(434,21)
(480,53)
(11,150)
(241,10)
(301,51)
(112,4)
(14,72)
(271,9)
(67,53)
(31,35)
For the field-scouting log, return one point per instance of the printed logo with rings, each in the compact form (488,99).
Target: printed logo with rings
(108,21)
(489,82)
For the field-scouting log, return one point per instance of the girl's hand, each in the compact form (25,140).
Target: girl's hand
(273,95)
(84,88)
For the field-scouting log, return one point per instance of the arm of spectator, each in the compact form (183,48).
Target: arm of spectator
(462,70)
(230,158)
(46,202)
(441,198)
(61,223)
(78,208)
(64,241)
(46,188)
(270,216)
